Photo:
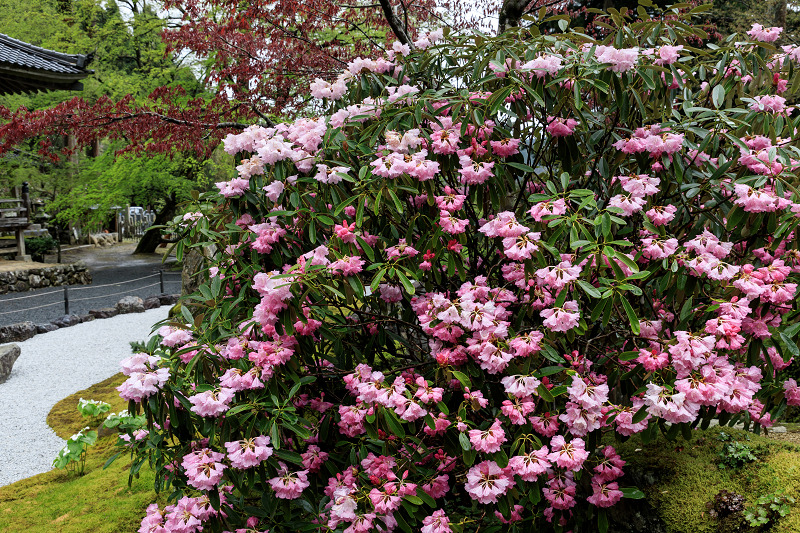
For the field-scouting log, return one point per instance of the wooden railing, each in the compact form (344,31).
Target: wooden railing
(15,217)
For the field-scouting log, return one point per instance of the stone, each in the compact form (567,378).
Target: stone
(152,302)
(168,299)
(18,332)
(130,304)
(67,321)
(8,355)
(105,312)
(45,328)
(20,286)
(86,318)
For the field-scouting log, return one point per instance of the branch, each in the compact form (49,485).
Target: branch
(511,13)
(395,24)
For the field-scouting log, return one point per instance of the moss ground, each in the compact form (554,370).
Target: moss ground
(687,476)
(63,502)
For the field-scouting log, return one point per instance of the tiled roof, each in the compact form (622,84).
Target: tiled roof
(28,68)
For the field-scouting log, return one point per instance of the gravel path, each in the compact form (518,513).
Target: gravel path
(51,367)
(115,273)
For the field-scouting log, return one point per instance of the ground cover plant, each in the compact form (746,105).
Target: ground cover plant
(438,307)
(686,492)
(101,500)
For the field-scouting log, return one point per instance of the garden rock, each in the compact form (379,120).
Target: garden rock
(45,328)
(86,318)
(66,321)
(130,304)
(105,312)
(152,302)
(8,355)
(18,332)
(168,299)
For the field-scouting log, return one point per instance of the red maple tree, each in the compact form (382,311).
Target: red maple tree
(262,56)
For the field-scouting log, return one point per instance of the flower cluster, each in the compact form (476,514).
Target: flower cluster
(449,290)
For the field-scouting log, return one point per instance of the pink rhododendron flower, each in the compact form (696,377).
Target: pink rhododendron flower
(486,482)
(436,523)
(248,453)
(289,485)
(562,318)
(559,127)
(141,385)
(767,35)
(490,440)
(212,402)
(567,455)
(543,65)
(772,103)
(620,60)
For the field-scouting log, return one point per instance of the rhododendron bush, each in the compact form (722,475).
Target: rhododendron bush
(439,306)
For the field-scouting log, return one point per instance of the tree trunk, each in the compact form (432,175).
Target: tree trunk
(152,237)
(780,13)
(510,13)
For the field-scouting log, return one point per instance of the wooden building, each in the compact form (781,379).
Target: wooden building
(25,68)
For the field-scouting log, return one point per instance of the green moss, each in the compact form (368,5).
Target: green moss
(64,417)
(63,502)
(687,475)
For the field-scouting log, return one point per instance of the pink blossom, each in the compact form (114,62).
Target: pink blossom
(562,318)
(559,127)
(668,54)
(558,277)
(234,188)
(390,293)
(289,485)
(604,494)
(474,172)
(451,224)
(486,482)
(347,266)
(248,453)
(505,147)
(140,362)
(791,392)
(767,35)
(544,64)
(203,469)
(212,402)
(620,60)
(313,458)
(436,523)
(567,455)
(531,465)
(628,203)
(490,440)
(141,385)
(542,209)
(772,103)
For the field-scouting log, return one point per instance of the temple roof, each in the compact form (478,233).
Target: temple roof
(25,68)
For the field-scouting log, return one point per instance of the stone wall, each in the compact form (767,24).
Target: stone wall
(51,276)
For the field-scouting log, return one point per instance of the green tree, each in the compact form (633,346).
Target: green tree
(129,61)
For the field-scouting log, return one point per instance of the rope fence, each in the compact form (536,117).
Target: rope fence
(67,290)
(30,308)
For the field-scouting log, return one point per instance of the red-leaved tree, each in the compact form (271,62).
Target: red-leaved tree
(261,57)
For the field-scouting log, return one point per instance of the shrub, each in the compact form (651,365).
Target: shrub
(39,246)
(427,307)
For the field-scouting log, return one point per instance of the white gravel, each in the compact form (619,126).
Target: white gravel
(51,367)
